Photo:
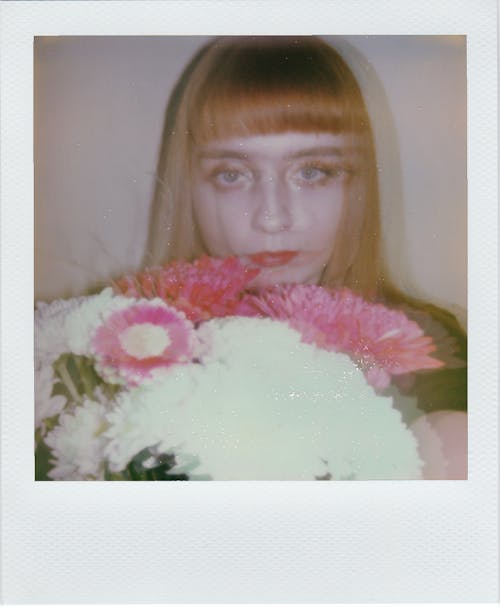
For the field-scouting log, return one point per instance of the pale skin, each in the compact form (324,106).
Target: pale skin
(274,194)
(275,201)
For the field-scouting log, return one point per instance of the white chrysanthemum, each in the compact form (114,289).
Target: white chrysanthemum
(46,405)
(266,406)
(50,336)
(82,322)
(142,416)
(77,444)
(67,325)
(245,339)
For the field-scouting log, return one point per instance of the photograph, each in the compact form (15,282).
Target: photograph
(250,258)
(251,243)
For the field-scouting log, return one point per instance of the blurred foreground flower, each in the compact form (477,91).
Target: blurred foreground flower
(183,374)
(203,289)
(383,342)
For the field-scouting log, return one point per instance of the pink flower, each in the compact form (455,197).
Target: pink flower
(309,309)
(134,342)
(203,289)
(381,341)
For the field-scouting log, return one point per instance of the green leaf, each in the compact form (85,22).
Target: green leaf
(158,470)
(76,378)
(42,462)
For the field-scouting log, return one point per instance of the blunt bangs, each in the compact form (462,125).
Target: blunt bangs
(274,86)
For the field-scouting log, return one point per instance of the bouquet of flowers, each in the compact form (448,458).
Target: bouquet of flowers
(182,372)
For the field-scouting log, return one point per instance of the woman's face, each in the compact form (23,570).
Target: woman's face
(275,200)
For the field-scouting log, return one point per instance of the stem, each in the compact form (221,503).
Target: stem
(87,385)
(68,382)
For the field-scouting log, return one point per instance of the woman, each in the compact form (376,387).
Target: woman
(268,154)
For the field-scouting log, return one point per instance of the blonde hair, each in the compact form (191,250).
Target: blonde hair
(239,86)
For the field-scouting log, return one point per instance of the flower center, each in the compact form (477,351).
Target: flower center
(144,340)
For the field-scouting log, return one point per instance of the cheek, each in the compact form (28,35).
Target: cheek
(324,224)
(223,227)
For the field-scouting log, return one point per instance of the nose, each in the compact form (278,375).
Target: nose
(272,213)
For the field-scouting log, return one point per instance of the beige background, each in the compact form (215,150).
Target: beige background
(99,105)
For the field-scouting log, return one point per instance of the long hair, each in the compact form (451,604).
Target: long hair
(239,86)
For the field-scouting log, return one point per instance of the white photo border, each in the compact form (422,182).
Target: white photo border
(247,542)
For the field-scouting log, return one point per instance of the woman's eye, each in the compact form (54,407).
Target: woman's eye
(321,174)
(312,173)
(229,177)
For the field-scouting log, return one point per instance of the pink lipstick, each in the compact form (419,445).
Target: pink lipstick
(272,259)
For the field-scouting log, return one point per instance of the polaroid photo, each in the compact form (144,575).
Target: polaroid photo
(256,239)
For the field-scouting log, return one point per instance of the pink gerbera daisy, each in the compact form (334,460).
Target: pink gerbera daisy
(203,289)
(381,341)
(308,308)
(134,342)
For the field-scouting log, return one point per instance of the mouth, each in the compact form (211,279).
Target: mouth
(272,259)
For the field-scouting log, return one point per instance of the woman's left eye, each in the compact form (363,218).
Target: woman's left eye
(311,173)
(228,176)
(321,174)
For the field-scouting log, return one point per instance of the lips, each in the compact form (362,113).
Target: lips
(272,259)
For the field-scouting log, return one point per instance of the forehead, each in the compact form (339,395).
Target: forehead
(282,146)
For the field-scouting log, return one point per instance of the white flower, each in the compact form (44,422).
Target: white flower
(266,406)
(77,443)
(246,339)
(141,417)
(81,324)
(46,405)
(66,325)
(50,337)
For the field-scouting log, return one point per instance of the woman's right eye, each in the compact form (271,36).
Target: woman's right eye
(229,177)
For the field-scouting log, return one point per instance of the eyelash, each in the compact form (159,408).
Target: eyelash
(216,175)
(327,172)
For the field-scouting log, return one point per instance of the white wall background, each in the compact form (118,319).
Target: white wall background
(99,106)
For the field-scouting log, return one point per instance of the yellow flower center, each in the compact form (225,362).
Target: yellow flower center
(144,340)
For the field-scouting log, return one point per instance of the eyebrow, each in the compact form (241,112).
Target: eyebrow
(328,150)
(303,153)
(223,154)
